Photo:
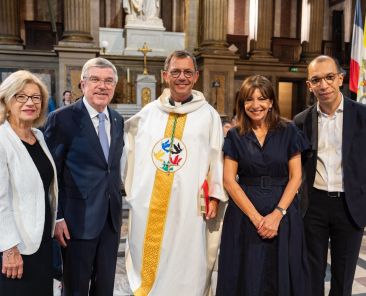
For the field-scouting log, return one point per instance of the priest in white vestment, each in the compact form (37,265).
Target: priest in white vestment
(173,149)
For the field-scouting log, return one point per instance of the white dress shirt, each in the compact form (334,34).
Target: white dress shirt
(94,117)
(329,170)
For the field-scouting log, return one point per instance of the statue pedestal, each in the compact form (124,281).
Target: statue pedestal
(159,41)
(154,23)
(145,89)
(128,41)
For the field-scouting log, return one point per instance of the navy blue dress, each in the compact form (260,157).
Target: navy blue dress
(248,264)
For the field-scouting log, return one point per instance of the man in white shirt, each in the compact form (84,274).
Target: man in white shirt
(334,187)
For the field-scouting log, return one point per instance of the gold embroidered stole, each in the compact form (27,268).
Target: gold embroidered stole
(158,210)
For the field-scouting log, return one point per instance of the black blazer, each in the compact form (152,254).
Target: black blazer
(353,156)
(89,187)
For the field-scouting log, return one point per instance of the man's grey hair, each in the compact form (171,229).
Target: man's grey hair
(180,54)
(99,63)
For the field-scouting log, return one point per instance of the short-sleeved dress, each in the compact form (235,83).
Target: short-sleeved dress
(248,264)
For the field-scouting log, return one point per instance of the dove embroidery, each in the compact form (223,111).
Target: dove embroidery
(177,149)
(158,155)
(165,146)
(175,160)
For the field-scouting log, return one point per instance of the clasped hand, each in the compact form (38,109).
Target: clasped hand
(267,226)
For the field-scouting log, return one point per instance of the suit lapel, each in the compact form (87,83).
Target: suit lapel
(311,130)
(349,124)
(311,127)
(87,129)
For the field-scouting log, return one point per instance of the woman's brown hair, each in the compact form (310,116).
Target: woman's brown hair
(249,85)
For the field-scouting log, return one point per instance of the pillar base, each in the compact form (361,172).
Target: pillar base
(11,47)
(78,37)
(11,41)
(262,55)
(74,44)
(214,48)
(91,49)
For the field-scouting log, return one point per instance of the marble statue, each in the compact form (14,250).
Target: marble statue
(143,10)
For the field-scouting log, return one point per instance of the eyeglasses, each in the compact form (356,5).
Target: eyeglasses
(109,82)
(329,78)
(22,98)
(187,73)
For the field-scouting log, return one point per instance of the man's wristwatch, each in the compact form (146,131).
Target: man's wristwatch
(283,211)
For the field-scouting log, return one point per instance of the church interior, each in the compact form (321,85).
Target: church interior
(231,39)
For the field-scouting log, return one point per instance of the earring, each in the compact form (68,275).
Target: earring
(270,109)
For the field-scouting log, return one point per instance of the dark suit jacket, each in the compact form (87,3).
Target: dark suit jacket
(89,187)
(353,156)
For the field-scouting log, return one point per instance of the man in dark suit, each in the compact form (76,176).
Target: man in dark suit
(334,189)
(86,141)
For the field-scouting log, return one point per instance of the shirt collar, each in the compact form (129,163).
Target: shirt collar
(338,110)
(92,112)
(174,103)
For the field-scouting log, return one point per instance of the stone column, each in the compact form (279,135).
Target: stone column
(313,47)
(216,63)
(191,17)
(178,15)
(214,25)
(77,22)
(262,46)
(9,25)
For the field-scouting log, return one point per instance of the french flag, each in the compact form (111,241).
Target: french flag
(357,48)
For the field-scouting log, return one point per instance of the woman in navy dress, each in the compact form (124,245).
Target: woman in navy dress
(262,246)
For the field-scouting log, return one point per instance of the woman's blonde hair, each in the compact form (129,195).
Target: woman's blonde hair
(13,84)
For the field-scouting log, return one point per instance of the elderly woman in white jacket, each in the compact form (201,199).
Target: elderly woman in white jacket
(28,189)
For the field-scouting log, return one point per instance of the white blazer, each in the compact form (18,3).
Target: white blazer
(22,204)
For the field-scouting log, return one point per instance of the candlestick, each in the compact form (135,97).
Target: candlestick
(104,44)
(128,75)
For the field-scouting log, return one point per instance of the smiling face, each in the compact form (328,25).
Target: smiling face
(25,113)
(324,80)
(67,98)
(96,87)
(181,84)
(256,107)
